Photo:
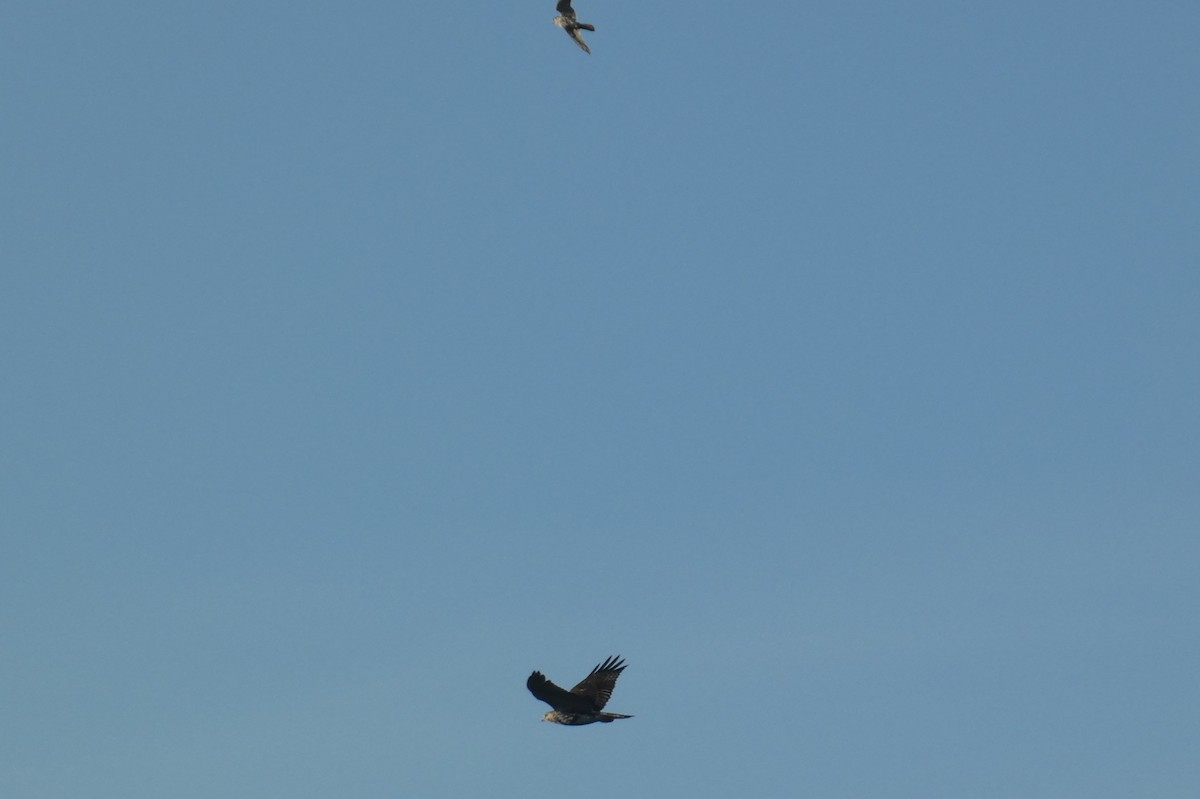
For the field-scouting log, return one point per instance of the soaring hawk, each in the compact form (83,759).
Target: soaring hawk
(566,21)
(583,703)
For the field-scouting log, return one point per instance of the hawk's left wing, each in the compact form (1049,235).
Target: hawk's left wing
(598,686)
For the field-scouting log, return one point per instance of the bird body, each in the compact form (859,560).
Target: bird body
(583,704)
(566,20)
(579,719)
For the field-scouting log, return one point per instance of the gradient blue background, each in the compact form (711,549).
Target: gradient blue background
(838,365)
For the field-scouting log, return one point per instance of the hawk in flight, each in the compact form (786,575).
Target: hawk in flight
(583,703)
(566,21)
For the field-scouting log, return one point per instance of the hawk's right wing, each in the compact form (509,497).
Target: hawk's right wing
(556,697)
(578,37)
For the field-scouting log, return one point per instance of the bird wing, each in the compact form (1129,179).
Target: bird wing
(578,37)
(556,697)
(598,686)
(564,8)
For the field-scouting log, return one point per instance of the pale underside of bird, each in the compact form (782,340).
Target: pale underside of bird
(583,704)
(566,20)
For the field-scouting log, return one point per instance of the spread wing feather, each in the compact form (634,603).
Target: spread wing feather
(554,696)
(598,686)
(578,37)
(590,696)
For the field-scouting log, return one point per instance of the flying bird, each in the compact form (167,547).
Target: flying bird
(566,21)
(583,703)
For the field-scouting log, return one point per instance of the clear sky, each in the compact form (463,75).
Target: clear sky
(836,364)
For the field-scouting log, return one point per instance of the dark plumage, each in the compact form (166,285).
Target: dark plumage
(584,703)
(566,21)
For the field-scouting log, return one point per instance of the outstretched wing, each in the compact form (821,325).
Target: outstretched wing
(598,686)
(578,37)
(564,8)
(556,697)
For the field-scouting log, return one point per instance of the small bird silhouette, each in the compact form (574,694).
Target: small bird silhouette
(566,21)
(583,704)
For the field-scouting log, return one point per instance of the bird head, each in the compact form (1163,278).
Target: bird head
(549,716)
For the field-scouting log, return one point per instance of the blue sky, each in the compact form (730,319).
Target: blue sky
(836,365)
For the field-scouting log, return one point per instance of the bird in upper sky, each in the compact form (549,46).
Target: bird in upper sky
(566,21)
(583,703)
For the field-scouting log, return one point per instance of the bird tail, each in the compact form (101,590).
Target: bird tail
(607,717)
(587,27)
